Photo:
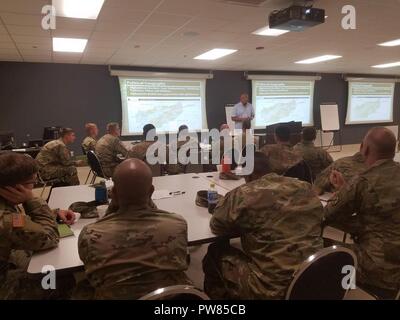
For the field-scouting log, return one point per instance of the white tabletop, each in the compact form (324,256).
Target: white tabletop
(66,256)
(226,184)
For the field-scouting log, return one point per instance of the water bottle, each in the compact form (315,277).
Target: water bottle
(212,197)
(101,195)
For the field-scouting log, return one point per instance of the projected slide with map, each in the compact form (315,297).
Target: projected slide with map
(166,103)
(282,101)
(370,102)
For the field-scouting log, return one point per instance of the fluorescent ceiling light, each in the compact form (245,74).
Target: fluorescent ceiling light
(326,57)
(392,43)
(83,9)
(215,54)
(266,31)
(69,45)
(387,65)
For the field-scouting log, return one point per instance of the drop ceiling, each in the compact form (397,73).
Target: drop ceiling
(170,33)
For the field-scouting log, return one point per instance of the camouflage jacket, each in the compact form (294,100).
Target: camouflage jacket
(89,144)
(55,153)
(374,197)
(279,221)
(39,230)
(281,157)
(348,166)
(107,150)
(134,251)
(139,150)
(317,159)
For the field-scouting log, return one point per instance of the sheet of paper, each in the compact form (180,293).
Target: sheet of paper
(161,194)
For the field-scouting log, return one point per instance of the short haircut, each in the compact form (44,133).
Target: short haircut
(89,126)
(245,94)
(283,133)
(261,164)
(147,128)
(112,126)
(309,134)
(183,127)
(66,131)
(16,168)
(246,124)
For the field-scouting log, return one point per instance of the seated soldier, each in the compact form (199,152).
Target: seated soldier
(89,143)
(136,248)
(26,224)
(110,150)
(279,222)
(281,155)
(183,139)
(55,161)
(349,167)
(373,197)
(139,150)
(317,159)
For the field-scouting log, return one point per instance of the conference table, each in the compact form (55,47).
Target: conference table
(175,193)
(184,188)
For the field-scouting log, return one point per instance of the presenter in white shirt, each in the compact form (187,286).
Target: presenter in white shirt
(242,111)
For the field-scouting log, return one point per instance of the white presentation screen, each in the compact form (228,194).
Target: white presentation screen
(283,101)
(165,103)
(370,102)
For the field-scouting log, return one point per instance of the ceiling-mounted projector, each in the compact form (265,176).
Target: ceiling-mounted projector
(296,18)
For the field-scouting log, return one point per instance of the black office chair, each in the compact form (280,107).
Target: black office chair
(95,166)
(320,277)
(300,171)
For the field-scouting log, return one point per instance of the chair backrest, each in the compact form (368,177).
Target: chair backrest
(178,292)
(300,171)
(94,164)
(320,277)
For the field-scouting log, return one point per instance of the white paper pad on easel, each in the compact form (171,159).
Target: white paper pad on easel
(161,194)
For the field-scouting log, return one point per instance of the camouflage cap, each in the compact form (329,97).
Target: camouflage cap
(88,210)
(202,198)
(228,176)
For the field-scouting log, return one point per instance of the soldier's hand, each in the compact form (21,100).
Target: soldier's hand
(337,179)
(67,216)
(16,195)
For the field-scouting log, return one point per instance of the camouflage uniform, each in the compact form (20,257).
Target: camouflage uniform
(89,144)
(179,167)
(348,166)
(374,197)
(281,157)
(316,158)
(139,150)
(279,221)
(107,149)
(39,232)
(132,252)
(55,162)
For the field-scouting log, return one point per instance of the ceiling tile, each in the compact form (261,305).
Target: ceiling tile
(27,31)
(116,26)
(21,19)
(163,19)
(71,33)
(75,24)
(23,6)
(110,36)
(119,14)
(39,41)
(133,4)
